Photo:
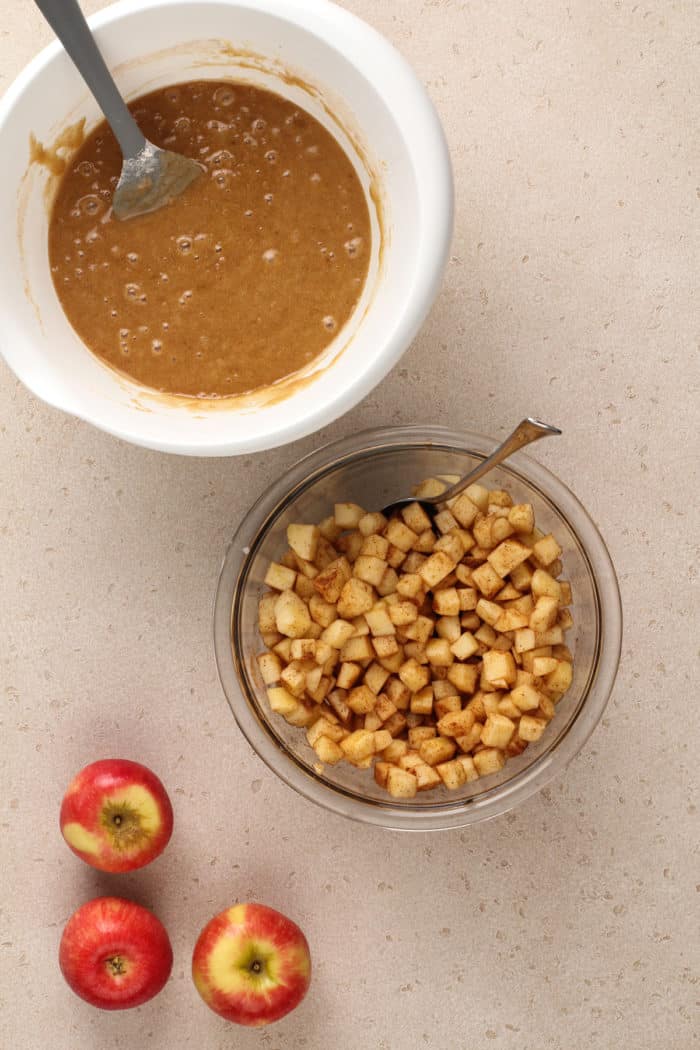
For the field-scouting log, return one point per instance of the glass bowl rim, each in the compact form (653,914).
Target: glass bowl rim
(305,473)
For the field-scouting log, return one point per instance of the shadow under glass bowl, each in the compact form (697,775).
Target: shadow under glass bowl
(373,468)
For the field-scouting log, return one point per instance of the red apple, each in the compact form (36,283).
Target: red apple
(251,964)
(115,954)
(116,815)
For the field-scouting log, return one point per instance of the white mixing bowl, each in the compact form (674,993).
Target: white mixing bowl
(353,81)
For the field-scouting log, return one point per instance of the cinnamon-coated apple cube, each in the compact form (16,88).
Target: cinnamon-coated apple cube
(479,495)
(422,701)
(324,652)
(399,535)
(522,517)
(481,529)
(361,763)
(395,750)
(464,510)
(446,704)
(306,568)
(321,611)
(552,636)
(330,582)
(438,652)
(358,745)
(507,707)
(486,636)
(336,699)
(521,576)
(357,649)
(565,620)
(279,577)
(361,627)
(489,612)
(566,595)
(388,584)
(488,761)
(452,774)
(312,680)
(372,721)
(303,539)
(426,777)
(289,559)
(283,649)
(467,764)
(382,739)
(500,498)
(544,584)
(403,613)
(401,784)
(417,734)
(337,634)
(465,646)
(525,697)
(304,587)
(438,749)
(303,715)
(425,544)
(546,710)
(445,521)
(501,529)
(393,663)
(531,728)
(350,544)
(379,620)
(546,550)
(415,518)
(410,761)
(464,574)
(456,723)
(463,677)
(348,515)
(322,727)
(524,640)
(395,557)
(487,580)
(375,678)
(467,598)
(361,699)
(348,675)
(398,693)
(470,622)
(449,628)
(371,523)
(510,620)
(381,773)
(413,561)
(451,545)
(384,708)
(544,615)
(270,667)
(303,649)
(267,621)
(497,731)
(369,569)
(270,638)
(396,724)
(543,665)
(385,646)
(293,678)
(325,554)
(559,680)
(499,668)
(328,751)
(436,568)
(446,602)
(562,652)
(281,700)
(413,675)
(428,488)
(374,546)
(328,529)
(321,691)
(356,598)
(411,586)
(469,740)
(476,704)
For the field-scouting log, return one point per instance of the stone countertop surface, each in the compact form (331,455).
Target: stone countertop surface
(569,295)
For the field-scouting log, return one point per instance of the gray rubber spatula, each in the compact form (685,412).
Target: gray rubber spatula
(150,176)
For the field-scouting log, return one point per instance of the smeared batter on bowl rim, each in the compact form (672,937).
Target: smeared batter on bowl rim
(244,279)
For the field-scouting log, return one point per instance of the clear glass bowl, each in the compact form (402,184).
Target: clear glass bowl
(373,468)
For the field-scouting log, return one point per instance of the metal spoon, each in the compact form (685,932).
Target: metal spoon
(524,434)
(150,176)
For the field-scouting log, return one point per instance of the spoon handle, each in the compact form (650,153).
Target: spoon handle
(68,23)
(525,433)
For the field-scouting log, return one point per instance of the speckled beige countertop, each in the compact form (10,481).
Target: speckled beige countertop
(566,924)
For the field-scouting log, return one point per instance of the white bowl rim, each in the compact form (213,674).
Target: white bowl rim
(419,126)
